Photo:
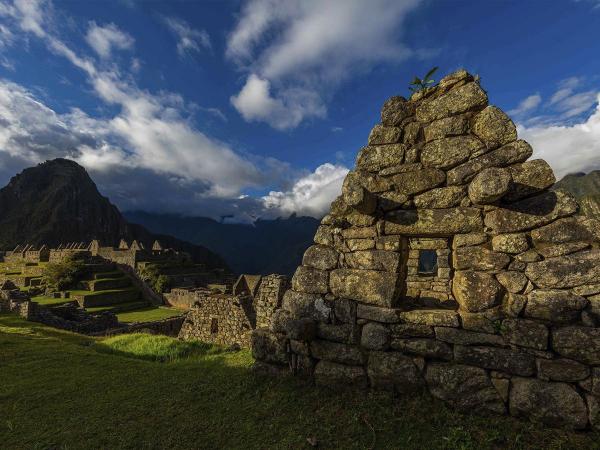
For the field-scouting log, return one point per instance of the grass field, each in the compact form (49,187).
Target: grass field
(148,314)
(60,390)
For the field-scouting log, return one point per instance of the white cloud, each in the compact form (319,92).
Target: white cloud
(310,45)
(312,194)
(567,148)
(104,38)
(188,39)
(255,103)
(528,104)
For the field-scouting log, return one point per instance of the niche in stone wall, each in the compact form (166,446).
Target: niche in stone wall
(214,325)
(428,272)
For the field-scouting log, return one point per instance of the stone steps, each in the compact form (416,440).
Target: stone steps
(106,298)
(108,284)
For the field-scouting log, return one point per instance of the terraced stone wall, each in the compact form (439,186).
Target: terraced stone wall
(508,322)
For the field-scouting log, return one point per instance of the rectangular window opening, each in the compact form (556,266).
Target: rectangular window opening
(427,262)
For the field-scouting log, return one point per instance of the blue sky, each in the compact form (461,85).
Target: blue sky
(258,108)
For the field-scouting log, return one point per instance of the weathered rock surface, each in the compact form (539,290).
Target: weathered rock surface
(494,127)
(395,110)
(532,212)
(476,291)
(449,152)
(460,100)
(464,337)
(357,196)
(431,317)
(554,404)
(310,280)
(449,126)
(562,370)
(526,333)
(464,387)
(381,134)
(393,372)
(554,305)
(489,185)
(567,230)
(429,348)
(506,155)
(529,178)
(434,221)
(373,260)
(510,243)
(579,343)
(335,375)
(320,257)
(375,158)
(444,197)
(301,304)
(479,258)
(502,359)
(367,286)
(513,281)
(336,352)
(417,181)
(269,347)
(375,336)
(567,271)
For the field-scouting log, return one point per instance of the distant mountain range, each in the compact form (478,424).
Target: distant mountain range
(586,188)
(267,246)
(57,202)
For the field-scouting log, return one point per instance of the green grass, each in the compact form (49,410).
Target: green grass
(148,314)
(66,391)
(120,307)
(50,301)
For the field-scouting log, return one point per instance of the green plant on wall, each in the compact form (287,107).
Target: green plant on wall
(64,274)
(419,84)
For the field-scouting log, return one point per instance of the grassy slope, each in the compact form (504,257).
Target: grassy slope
(61,390)
(148,314)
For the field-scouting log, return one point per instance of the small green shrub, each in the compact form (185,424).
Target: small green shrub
(418,84)
(64,274)
(162,284)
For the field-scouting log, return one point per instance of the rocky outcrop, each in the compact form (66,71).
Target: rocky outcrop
(447,264)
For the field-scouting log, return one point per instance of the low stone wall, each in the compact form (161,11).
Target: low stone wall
(220,319)
(269,297)
(168,327)
(506,319)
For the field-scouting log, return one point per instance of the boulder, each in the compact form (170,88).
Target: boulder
(320,257)
(336,352)
(417,181)
(449,126)
(392,371)
(395,110)
(377,314)
(529,178)
(366,286)
(554,404)
(532,212)
(463,387)
(579,343)
(449,152)
(375,336)
(526,333)
(375,158)
(476,291)
(344,310)
(562,370)
(310,280)
(554,305)
(594,411)
(344,333)
(506,155)
(412,133)
(479,258)
(465,240)
(373,260)
(554,251)
(430,317)
(433,221)
(569,229)
(380,134)
(357,196)
(464,337)
(269,347)
(337,376)
(514,282)
(489,185)
(494,127)
(409,330)
(462,99)
(430,348)
(301,304)
(303,329)
(510,243)
(502,359)
(444,197)
(567,271)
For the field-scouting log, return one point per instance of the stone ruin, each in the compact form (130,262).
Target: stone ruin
(228,318)
(448,264)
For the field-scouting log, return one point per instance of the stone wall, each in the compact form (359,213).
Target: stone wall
(508,321)
(269,297)
(220,319)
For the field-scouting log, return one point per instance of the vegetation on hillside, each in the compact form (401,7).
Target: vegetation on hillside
(64,274)
(62,390)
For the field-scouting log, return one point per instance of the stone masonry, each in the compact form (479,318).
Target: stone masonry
(447,264)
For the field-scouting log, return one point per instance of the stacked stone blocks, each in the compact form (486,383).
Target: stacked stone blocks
(508,323)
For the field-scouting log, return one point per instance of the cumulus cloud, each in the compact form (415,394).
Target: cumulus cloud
(312,194)
(188,39)
(297,51)
(103,39)
(567,148)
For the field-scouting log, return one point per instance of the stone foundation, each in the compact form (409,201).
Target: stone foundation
(447,264)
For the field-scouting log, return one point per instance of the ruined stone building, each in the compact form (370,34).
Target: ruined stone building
(229,318)
(447,263)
